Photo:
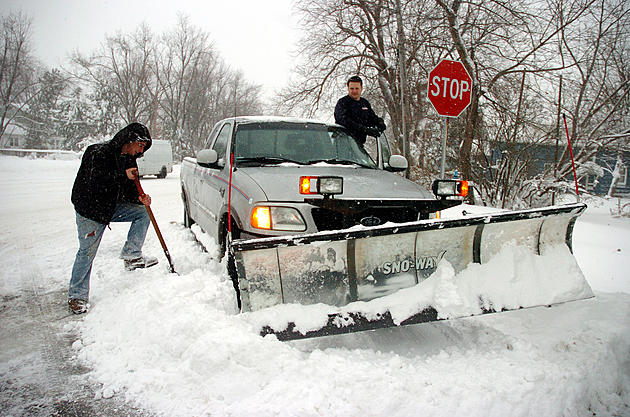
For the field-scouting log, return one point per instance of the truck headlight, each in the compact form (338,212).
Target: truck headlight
(330,185)
(321,185)
(277,218)
(450,188)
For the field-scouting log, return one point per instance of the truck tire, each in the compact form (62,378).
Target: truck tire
(162,173)
(231,267)
(188,221)
(231,264)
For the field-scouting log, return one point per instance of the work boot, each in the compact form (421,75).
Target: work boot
(78,306)
(141,262)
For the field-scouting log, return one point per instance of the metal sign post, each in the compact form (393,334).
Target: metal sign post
(444,147)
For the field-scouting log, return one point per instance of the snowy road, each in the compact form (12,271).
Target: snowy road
(159,344)
(38,375)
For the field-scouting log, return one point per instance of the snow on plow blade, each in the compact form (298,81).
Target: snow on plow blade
(373,277)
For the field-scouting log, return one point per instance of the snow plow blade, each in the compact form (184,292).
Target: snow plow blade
(367,278)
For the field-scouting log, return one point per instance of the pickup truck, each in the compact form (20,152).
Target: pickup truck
(295,176)
(318,219)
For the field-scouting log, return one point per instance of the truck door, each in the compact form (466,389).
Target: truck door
(214,182)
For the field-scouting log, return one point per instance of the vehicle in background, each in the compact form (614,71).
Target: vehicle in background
(158,160)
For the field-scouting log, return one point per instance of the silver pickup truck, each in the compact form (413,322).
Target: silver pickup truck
(317,219)
(294,176)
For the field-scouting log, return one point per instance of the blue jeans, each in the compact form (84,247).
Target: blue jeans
(90,234)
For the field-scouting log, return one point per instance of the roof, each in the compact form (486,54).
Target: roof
(12,129)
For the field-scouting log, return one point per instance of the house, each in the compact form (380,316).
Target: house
(596,177)
(600,184)
(14,137)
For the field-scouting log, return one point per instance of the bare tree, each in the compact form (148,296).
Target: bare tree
(348,37)
(124,68)
(186,56)
(510,50)
(598,101)
(197,88)
(516,53)
(17,68)
(43,116)
(494,41)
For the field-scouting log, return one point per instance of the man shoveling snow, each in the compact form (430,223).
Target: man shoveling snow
(104,192)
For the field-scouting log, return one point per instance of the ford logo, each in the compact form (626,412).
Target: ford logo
(370,221)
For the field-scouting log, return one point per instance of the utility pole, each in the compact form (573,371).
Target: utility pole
(555,152)
(403,82)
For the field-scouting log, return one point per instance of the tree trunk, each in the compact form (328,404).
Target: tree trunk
(472,121)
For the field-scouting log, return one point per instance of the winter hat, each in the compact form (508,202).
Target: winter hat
(134,132)
(137,132)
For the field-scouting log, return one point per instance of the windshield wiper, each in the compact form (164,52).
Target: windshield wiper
(339,162)
(263,160)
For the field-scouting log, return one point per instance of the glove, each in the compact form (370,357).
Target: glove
(381,125)
(372,131)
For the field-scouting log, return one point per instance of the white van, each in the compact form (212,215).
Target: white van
(158,160)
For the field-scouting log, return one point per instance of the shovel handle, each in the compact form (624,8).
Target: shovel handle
(155,226)
(138,186)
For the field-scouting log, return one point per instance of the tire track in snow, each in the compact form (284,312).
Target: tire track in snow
(38,376)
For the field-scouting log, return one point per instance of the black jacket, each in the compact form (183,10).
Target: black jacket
(356,115)
(101,181)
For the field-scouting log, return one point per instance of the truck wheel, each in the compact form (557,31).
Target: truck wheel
(231,264)
(188,221)
(162,173)
(231,267)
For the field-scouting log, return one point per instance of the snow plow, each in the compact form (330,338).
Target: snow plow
(365,278)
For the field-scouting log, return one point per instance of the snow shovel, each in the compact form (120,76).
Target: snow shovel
(157,229)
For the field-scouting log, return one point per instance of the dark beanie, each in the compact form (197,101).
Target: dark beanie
(133,132)
(137,132)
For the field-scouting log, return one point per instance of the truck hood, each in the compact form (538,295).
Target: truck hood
(281,183)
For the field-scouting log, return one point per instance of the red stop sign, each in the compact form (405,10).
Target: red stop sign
(449,88)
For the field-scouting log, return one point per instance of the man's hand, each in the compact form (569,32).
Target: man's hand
(145,199)
(381,125)
(132,173)
(372,131)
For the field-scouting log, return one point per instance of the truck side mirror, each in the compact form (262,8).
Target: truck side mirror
(207,157)
(397,163)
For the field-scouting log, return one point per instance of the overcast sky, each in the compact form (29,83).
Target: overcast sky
(256,36)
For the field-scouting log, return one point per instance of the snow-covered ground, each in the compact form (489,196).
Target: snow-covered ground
(173,345)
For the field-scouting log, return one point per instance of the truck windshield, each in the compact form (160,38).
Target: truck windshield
(265,143)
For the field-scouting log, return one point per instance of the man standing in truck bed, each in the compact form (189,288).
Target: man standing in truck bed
(355,113)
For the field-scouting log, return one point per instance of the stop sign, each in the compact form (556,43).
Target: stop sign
(449,88)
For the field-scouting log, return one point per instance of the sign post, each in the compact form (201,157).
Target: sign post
(450,90)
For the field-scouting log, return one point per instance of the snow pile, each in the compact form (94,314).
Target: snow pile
(172,344)
(514,278)
(601,244)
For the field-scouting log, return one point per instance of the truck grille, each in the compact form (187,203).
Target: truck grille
(327,219)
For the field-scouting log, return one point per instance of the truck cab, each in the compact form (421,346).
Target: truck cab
(293,176)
